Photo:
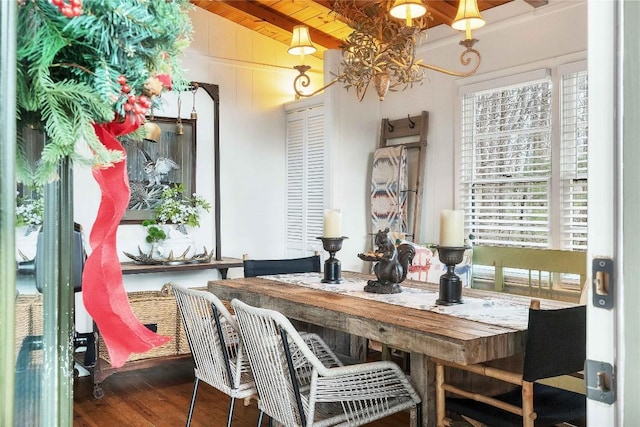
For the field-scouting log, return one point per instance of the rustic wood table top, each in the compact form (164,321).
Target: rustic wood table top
(476,331)
(432,333)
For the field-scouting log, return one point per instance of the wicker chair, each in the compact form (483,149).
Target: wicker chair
(296,388)
(217,351)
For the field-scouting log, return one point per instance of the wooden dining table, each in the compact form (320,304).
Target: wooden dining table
(487,326)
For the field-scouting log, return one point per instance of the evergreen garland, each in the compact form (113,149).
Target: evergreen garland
(72,67)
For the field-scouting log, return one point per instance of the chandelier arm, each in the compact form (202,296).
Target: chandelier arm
(303,80)
(465,60)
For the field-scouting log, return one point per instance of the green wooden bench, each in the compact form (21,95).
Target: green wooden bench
(544,266)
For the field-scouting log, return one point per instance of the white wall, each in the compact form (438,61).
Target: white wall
(534,39)
(252,126)
(255,75)
(516,38)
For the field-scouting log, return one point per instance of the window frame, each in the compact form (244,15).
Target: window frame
(554,72)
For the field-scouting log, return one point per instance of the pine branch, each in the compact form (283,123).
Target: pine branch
(68,69)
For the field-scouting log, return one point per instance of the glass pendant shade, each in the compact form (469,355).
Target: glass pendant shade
(468,13)
(407,9)
(301,41)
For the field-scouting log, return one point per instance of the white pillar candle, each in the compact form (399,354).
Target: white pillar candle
(332,223)
(452,228)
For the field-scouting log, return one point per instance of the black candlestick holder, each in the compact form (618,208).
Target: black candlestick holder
(332,265)
(450,283)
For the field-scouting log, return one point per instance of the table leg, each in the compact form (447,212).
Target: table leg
(223,272)
(423,379)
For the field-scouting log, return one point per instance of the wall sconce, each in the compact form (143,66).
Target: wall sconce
(382,49)
(301,45)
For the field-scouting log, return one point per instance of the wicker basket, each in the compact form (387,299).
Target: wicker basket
(24,304)
(37,315)
(156,309)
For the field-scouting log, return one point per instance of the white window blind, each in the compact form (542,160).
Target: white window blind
(305,181)
(506,164)
(574,134)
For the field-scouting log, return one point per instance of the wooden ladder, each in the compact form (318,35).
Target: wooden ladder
(410,132)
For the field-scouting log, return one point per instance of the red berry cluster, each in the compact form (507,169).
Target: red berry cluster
(138,105)
(73,8)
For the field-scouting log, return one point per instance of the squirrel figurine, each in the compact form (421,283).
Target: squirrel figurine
(393,264)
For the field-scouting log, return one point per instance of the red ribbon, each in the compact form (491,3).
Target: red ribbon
(103,291)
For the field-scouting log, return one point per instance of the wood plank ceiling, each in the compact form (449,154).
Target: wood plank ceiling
(276,18)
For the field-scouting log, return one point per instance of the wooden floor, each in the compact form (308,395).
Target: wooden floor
(160,397)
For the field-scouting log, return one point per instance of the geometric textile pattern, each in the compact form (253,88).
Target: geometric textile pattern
(389,189)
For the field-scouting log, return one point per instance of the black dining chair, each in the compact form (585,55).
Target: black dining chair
(555,346)
(266,267)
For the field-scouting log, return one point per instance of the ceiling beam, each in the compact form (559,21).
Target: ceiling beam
(282,21)
(442,12)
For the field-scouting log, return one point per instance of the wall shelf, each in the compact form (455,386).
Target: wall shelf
(222,265)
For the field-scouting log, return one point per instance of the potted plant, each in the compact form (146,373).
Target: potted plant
(177,211)
(181,210)
(155,234)
(29,214)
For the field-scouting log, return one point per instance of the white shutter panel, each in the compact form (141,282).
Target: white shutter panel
(294,180)
(305,181)
(574,111)
(316,177)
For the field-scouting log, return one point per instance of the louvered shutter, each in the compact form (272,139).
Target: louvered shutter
(316,176)
(305,181)
(295,182)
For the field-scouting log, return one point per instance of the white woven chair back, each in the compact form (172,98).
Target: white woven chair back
(213,339)
(263,342)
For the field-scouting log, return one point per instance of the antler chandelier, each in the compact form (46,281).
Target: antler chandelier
(381,48)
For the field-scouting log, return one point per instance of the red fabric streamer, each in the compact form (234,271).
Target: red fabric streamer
(103,291)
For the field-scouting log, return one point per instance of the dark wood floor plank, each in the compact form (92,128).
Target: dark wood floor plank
(160,397)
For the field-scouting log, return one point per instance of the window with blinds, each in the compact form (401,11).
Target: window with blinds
(507,157)
(506,165)
(523,174)
(305,181)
